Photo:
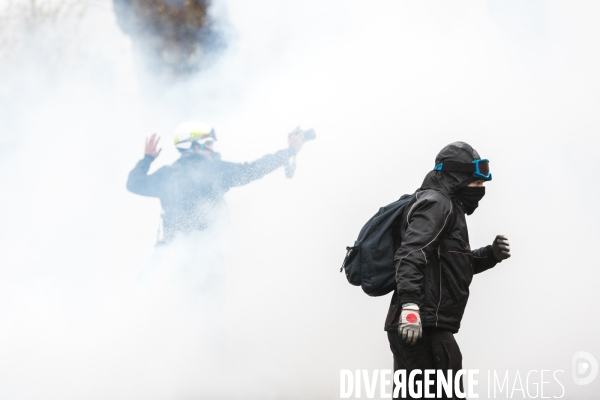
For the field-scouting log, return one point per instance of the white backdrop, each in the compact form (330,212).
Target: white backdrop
(386,85)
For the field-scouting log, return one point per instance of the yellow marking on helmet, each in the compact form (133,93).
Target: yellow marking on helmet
(197,134)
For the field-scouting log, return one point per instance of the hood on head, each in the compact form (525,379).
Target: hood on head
(450,182)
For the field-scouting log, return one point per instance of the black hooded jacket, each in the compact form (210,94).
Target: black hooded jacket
(434,261)
(192,188)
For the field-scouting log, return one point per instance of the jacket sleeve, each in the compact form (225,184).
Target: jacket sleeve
(426,218)
(241,174)
(139,182)
(483,259)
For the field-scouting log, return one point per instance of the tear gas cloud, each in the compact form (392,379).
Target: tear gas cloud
(256,307)
(174,37)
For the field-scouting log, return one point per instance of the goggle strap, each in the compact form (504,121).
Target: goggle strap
(474,168)
(453,166)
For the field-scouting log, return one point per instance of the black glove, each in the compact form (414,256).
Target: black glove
(501,248)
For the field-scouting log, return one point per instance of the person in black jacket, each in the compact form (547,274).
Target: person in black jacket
(435,263)
(192,188)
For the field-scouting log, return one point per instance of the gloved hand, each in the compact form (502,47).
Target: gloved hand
(501,248)
(410,323)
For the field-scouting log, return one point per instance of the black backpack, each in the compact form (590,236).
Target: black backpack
(370,262)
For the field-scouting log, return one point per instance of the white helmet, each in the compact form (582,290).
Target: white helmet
(191,131)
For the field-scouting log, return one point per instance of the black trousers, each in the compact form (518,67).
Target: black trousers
(437,349)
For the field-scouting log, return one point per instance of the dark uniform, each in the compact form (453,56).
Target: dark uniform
(435,266)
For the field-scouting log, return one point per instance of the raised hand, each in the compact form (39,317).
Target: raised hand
(151,144)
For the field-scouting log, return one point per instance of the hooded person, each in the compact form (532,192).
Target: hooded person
(435,263)
(191,190)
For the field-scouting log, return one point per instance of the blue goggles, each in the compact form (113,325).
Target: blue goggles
(479,168)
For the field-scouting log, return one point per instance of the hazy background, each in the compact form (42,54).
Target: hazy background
(386,85)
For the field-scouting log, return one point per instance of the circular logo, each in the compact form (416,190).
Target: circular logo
(585,368)
(411,318)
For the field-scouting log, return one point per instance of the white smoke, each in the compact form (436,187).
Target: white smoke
(89,310)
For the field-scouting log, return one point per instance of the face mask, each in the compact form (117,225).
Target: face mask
(470,197)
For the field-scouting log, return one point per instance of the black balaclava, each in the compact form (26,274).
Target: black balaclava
(455,183)
(470,197)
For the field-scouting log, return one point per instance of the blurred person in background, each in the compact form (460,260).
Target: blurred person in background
(192,188)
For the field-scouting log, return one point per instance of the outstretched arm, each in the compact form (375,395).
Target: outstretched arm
(242,174)
(139,182)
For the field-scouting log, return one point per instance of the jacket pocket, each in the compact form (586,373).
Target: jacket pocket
(458,254)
